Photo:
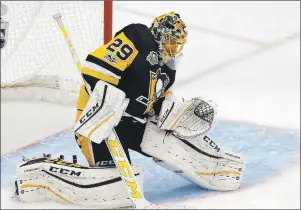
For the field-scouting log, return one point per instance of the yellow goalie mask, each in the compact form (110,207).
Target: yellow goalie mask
(170,33)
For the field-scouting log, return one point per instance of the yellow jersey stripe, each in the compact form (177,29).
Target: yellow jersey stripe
(101,76)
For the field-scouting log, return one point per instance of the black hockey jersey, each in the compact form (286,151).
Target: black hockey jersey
(130,62)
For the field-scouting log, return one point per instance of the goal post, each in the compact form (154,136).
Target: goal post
(36,63)
(108,20)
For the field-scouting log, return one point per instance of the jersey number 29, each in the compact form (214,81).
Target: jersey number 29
(124,51)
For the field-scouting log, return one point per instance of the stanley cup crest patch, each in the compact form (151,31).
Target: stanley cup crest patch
(152,58)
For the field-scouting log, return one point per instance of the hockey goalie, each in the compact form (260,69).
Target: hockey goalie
(127,96)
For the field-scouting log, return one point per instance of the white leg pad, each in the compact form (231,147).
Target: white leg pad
(88,187)
(199,160)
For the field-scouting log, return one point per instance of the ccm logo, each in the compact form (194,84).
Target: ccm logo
(64,171)
(211,143)
(124,168)
(164,115)
(89,113)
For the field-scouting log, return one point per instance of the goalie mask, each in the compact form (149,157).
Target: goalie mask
(170,33)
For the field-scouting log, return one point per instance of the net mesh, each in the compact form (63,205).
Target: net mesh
(36,54)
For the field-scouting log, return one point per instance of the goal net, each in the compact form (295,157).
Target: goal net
(36,62)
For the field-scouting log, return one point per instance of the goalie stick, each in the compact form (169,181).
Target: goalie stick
(113,142)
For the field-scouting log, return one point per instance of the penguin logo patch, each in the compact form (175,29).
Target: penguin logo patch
(152,58)
(157,85)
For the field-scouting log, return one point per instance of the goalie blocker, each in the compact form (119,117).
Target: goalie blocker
(102,112)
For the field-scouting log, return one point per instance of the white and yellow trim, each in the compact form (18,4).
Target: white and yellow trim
(101,76)
(100,69)
(218,173)
(46,188)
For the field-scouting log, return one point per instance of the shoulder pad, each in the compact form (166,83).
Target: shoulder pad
(140,35)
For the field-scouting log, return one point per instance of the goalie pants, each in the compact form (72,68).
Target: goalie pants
(129,131)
